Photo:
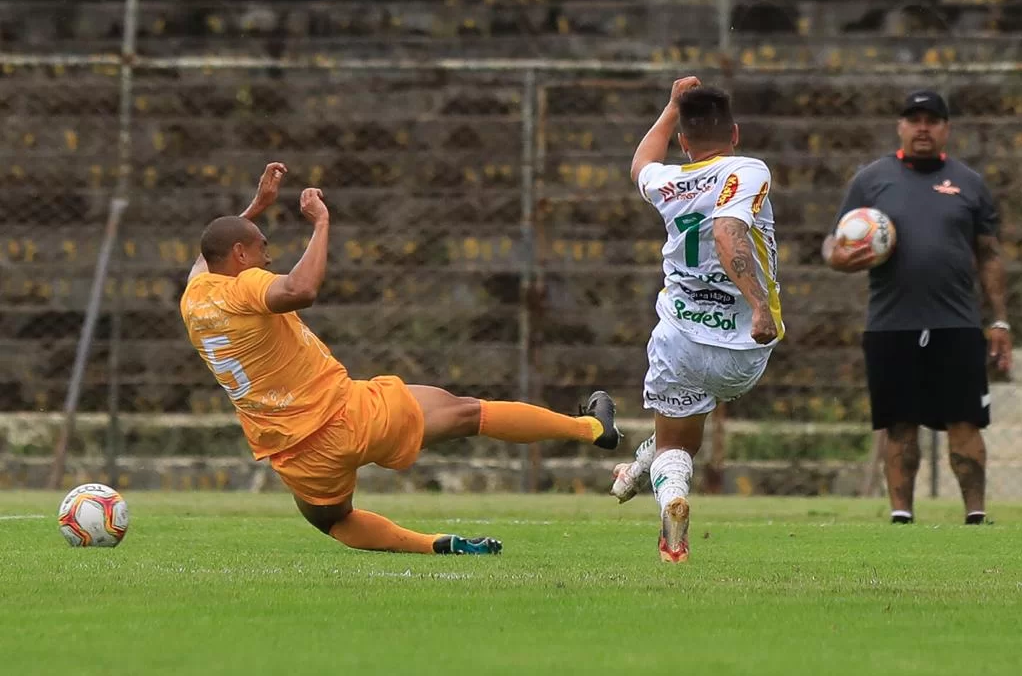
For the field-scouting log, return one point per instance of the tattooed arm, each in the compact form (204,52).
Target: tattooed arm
(991,275)
(734,248)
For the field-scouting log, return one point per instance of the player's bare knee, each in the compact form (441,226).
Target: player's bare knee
(686,433)
(465,416)
(691,449)
(324,517)
(321,522)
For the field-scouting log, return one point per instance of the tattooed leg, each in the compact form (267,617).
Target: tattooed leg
(968,456)
(901,464)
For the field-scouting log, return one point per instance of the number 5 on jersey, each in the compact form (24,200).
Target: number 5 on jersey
(688,227)
(222,366)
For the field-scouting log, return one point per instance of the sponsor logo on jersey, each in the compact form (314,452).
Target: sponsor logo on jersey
(757,203)
(687,189)
(711,320)
(708,278)
(946,188)
(727,193)
(687,399)
(709,295)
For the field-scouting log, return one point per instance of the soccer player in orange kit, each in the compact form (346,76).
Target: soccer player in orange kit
(299,408)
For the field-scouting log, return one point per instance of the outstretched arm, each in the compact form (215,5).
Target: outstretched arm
(198,267)
(266,196)
(266,193)
(298,289)
(653,146)
(734,248)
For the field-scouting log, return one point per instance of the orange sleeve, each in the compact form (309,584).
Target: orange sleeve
(246,295)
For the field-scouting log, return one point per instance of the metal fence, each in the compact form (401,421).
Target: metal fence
(487,236)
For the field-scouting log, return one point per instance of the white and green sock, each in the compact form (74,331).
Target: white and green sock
(671,472)
(638,470)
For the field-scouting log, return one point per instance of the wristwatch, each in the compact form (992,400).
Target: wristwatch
(1000,324)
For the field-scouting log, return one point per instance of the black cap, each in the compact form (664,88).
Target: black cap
(931,102)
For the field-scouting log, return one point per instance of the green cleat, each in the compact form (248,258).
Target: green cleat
(455,544)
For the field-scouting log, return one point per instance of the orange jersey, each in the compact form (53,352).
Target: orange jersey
(283,380)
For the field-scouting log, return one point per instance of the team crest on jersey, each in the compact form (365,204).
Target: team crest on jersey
(757,204)
(729,190)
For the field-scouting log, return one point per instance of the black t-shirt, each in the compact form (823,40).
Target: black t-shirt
(930,281)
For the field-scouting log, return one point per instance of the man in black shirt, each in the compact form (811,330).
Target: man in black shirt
(924,344)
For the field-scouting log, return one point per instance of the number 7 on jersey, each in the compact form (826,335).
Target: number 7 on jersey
(688,227)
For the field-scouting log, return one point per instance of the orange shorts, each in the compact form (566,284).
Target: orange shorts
(381,423)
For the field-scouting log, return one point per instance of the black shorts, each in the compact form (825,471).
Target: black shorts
(929,378)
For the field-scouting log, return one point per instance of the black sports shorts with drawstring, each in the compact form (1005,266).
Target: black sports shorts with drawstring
(931,378)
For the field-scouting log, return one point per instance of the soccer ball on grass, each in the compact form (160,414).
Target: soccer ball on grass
(93,515)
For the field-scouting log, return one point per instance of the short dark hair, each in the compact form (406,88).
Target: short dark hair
(221,235)
(706,115)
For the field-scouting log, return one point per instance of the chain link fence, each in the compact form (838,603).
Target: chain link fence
(59,136)
(487,238)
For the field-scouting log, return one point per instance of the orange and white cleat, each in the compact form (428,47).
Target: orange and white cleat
(674,532)
(629,479)
(632,477)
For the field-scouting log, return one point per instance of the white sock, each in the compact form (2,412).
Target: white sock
(901,512)
(643,458)
(671,471)
(976,513)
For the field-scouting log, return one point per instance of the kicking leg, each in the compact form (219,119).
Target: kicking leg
(451,417)
(677,442)
(361,529)
(632,477)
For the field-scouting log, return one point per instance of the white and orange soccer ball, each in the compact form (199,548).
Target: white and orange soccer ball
(870,227)
(93,515)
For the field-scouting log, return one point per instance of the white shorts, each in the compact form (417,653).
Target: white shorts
(686,378)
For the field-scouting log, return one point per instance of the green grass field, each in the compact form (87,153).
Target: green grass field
(239,584)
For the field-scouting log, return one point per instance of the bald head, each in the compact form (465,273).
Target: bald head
(220,236)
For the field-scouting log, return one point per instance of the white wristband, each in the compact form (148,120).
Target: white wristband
(1000,324)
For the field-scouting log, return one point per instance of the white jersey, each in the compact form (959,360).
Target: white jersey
(699,299)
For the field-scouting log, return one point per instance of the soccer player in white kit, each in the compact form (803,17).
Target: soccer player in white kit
(720,310)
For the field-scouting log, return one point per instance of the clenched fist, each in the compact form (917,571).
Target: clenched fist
(313,208)
(764,328)
(683,85)
(269,183)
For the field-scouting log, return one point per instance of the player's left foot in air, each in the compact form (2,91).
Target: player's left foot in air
(632,477)
(629,479)
(601,407)
(455,544)
(674,532)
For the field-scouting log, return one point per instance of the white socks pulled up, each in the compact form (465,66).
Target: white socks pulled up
(671,473)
